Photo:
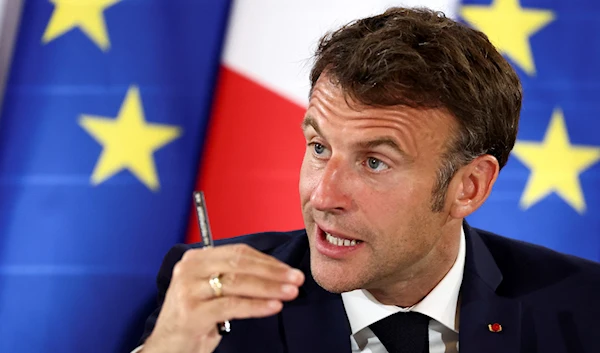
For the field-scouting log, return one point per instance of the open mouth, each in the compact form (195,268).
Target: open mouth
(335,245)
(338,240)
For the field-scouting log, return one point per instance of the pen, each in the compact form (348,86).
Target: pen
(207,240)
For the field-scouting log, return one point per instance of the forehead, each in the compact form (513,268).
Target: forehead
(330,106)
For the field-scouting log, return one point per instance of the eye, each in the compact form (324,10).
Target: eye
(319,148)
(376,164)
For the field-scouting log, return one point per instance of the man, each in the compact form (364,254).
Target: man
(411,117)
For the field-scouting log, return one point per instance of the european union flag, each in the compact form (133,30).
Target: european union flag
(101,129)
(549,191)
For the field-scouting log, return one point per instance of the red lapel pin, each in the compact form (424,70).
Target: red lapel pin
(495,327)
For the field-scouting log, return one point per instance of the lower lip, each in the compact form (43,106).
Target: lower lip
(334,251)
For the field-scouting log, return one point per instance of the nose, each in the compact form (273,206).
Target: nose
(331,193)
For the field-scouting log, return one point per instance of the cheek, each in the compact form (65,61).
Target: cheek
(307,179)
(395,207)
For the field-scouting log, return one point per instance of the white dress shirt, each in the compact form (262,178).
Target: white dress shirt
(441,305)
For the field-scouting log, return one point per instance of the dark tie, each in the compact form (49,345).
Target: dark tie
(403,332)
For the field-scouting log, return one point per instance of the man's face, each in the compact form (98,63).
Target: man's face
(366,180)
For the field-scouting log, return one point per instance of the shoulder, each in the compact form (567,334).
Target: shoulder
(531,270)
(267,242)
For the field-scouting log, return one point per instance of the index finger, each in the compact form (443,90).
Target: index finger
(242,260)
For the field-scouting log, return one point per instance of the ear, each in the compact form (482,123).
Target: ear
(473,185)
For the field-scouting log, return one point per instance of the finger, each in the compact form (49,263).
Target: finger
(255,267)
(243,285)
(202,264)
(242,249)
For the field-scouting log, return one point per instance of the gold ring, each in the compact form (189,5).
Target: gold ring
(216,285)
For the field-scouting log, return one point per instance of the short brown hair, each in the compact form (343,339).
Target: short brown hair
(420,58)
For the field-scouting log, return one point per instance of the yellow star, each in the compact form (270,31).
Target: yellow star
(509,26)
(555,165)
(85,14)
(128,141)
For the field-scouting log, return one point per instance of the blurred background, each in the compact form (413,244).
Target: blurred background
(114,111)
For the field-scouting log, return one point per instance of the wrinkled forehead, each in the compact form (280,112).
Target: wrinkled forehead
(329,97)
(331,112)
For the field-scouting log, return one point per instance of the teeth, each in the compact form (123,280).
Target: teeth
(338,241)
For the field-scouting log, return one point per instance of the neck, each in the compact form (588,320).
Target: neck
(424,275)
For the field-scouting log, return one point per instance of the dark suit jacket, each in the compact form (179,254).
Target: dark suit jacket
(544,300)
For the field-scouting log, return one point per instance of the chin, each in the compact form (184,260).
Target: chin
(333,277)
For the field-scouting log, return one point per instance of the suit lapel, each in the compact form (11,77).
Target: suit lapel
(480,305)
(316,321)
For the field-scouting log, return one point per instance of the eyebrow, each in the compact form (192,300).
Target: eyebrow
(383,141)
(309,121)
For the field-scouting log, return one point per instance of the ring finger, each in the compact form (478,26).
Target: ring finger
(244,285)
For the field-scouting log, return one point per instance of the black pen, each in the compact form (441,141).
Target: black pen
(207,240)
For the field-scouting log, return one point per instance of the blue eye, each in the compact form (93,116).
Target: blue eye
(375,164)
(319,148)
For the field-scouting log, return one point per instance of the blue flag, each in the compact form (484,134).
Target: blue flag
(549,192)
(100,134)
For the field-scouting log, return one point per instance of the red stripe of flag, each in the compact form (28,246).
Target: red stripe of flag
(251,160)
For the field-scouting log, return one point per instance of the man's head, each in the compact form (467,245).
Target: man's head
(420,58)
(411,116)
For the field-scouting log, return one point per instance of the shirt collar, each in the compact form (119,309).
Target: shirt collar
(441,304)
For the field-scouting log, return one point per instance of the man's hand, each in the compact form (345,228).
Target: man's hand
(254,285)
